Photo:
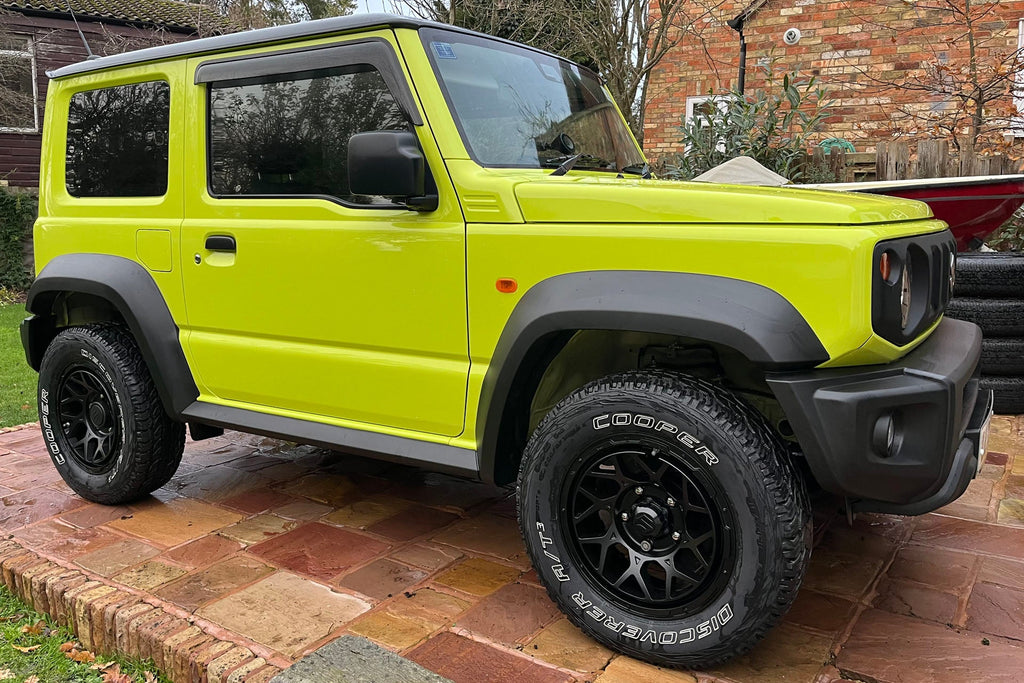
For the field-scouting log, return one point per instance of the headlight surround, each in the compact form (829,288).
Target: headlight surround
(912,281)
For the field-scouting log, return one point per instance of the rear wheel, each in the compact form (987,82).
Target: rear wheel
(101,416)
(664,518)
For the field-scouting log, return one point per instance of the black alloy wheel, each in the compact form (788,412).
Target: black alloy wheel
(648,527)
(90,419)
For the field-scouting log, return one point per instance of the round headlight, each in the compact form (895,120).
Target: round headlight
(905,295)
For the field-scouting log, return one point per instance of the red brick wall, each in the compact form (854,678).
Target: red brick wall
(858,48)
(57,44)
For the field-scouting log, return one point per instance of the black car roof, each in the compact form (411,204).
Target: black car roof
(262,36)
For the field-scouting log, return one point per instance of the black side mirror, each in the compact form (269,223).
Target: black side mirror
(389,163)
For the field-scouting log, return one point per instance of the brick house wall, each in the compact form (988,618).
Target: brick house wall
(857,48)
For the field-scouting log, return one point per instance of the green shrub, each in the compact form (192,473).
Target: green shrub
(17,212)
(773,125)
(1010,237)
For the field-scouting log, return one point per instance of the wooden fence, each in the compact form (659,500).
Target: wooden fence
(895,161)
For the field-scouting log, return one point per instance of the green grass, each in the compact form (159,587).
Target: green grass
(17,379)
(47,663)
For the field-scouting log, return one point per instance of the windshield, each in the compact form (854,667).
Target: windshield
(517,107)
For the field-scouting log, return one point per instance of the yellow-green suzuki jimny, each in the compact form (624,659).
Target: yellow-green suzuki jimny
(388,236)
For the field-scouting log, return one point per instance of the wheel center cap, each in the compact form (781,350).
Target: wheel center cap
(98,415)
(648,519)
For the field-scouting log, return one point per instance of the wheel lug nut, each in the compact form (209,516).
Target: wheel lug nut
(625,516)
(676,536)
(638,490)
(671,502)
(645,545)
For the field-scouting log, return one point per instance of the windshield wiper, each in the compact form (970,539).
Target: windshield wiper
(567,163)
(636,169)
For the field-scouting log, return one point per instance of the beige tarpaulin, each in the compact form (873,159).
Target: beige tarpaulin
(742,171)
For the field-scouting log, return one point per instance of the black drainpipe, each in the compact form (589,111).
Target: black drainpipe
(736,24)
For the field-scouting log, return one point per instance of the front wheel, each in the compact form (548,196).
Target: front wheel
(664,518)
(101,416)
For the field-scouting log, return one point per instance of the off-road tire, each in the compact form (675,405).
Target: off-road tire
(725,444)
(988,275)
(1002,356)
(1009,394)
(145,445)
(995,317)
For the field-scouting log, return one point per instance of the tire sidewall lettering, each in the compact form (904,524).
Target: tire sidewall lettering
(642,421)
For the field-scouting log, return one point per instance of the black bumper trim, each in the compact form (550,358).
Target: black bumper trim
(931,393)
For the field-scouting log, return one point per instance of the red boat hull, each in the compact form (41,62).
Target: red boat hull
(974,207)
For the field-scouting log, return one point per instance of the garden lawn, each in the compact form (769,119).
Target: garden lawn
(17,379)
(33,650)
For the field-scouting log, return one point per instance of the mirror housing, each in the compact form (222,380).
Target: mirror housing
(389,163)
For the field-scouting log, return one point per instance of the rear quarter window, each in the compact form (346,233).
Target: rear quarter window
(117,141)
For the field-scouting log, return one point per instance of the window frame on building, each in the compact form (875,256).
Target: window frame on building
(30,53)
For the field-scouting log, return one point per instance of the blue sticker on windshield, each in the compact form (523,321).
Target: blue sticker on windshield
(443,50)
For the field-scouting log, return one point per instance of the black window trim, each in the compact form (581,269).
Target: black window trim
(374,52)
(170,109)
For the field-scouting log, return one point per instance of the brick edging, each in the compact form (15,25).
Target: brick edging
(4,430)
(108,620)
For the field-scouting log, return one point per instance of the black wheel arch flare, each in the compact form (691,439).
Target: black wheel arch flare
(130,289)
(755,320)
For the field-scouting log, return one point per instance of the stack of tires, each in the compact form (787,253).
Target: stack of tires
(989,292)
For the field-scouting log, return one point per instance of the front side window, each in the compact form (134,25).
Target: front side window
(521,108)
(18,112)
(288,134)
(118,141)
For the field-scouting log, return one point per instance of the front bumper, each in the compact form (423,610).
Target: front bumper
(939,415)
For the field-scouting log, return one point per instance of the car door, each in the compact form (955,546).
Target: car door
(303,299)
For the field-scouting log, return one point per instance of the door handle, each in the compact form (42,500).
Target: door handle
(220,243)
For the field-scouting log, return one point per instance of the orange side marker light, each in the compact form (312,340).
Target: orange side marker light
(506,285)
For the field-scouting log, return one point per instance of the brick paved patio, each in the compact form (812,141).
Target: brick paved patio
(284,548)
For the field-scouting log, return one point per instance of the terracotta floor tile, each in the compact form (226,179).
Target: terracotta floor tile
(21,439)
(434,602)
(623,669)
(786,653)
(427,557)
(913,600)
(94,515)
(941,569)
(512,614)
(218,483)
(76,542)
(285,612)
(303,510)
(382,579)
(203,551)
(485,534)
(259,500)
(412,523)
(363,513)
(477,577)
(319,550)
(42,475)
(466,661)
(951,532)
(41,533)
(1003,572)
(216,451)
(27,507)
(827,613)
(194,590)
(116,557)
(174,522)
(1011,512)
(887,647)
(974,502)
(395,630)
(259,528)
(995,459)
(335,490)
(997,610)
(254,462)
(148,576)
(841,573)
(564,645)
(441,490)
